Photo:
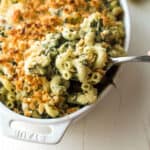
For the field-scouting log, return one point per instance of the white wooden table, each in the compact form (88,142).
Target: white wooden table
(122,120)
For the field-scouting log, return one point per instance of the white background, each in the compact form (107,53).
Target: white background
(122,120)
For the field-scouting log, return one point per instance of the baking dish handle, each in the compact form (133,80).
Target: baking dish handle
(54,137)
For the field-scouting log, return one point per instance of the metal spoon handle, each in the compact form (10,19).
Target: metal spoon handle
(120,60)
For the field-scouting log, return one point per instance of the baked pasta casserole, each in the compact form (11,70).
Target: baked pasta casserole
(54,53)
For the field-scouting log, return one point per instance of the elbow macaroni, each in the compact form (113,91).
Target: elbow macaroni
(58,85)
(54,54)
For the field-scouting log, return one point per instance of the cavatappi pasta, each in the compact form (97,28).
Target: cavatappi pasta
(53,53)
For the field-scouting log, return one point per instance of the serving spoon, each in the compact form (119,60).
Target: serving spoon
(126,59)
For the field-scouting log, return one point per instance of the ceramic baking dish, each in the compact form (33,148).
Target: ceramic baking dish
(49,131)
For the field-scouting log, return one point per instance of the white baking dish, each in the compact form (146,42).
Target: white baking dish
(58,126)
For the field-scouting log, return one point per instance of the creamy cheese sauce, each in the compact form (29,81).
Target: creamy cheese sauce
(53,53)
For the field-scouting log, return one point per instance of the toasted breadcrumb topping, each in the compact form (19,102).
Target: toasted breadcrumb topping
(23,22)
